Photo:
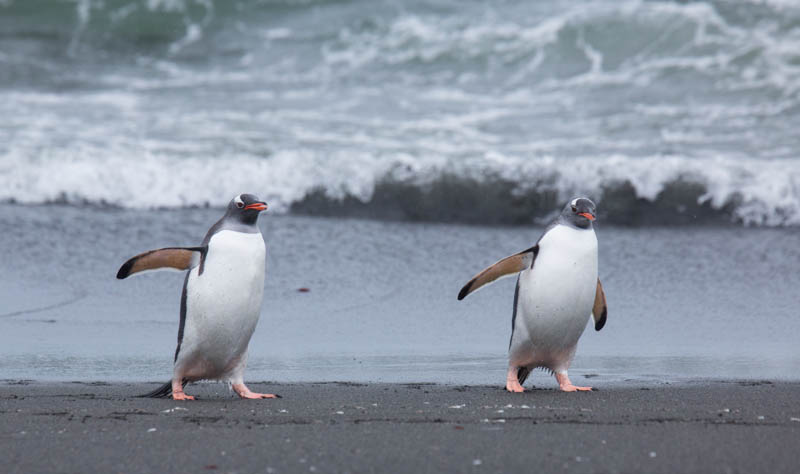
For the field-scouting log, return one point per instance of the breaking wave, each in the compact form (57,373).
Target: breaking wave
(502,189)
(471,111)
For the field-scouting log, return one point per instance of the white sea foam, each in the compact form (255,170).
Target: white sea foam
(572,98)
(767,191)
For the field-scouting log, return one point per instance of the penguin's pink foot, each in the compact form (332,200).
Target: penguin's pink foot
(512,382)
(566,386)
(244,392)
(181,396)
(574,388)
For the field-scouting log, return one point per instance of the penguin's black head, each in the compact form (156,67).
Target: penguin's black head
(579,212)
(245,208)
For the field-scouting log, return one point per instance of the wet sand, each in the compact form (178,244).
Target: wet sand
(382,303)
(700,426)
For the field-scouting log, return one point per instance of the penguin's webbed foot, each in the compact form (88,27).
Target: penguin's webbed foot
(574,388)
(244,392)
(512,382)
(566,386)
(256,396)
(181,396)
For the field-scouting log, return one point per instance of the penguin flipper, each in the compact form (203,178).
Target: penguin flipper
(505,267)
(600,308)
(176,258)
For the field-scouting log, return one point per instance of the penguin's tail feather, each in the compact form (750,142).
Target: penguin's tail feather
(164,391)
(522,374)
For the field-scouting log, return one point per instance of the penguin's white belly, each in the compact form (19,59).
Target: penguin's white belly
(556,297)
(223,305)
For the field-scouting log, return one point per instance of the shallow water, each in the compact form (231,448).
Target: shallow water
(689,302)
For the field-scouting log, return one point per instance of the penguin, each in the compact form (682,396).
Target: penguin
(557,292)
(220,302)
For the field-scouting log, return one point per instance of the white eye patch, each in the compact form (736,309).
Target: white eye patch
(574,202)
(238,201)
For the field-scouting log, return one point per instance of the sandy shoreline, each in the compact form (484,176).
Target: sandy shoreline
(704,426)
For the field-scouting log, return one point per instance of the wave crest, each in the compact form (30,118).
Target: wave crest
(633,191)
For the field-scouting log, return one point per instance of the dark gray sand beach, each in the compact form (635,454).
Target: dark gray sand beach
(703,427)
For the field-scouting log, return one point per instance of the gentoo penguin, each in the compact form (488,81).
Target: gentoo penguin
(557,291)
(221,299)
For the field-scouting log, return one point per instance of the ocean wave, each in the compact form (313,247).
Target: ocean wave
(716,46)
(464,111)
(650,41)
(586,37)
(504,190)
(113,24)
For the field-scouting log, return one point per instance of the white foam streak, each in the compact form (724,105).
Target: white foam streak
(768,191)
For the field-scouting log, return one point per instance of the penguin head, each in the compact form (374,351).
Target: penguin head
(245,208)
(579,212)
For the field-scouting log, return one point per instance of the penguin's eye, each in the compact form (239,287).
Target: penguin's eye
(574,209)
(239,204)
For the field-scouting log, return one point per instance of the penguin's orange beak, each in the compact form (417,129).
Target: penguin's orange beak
(587,215)
(258,206)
